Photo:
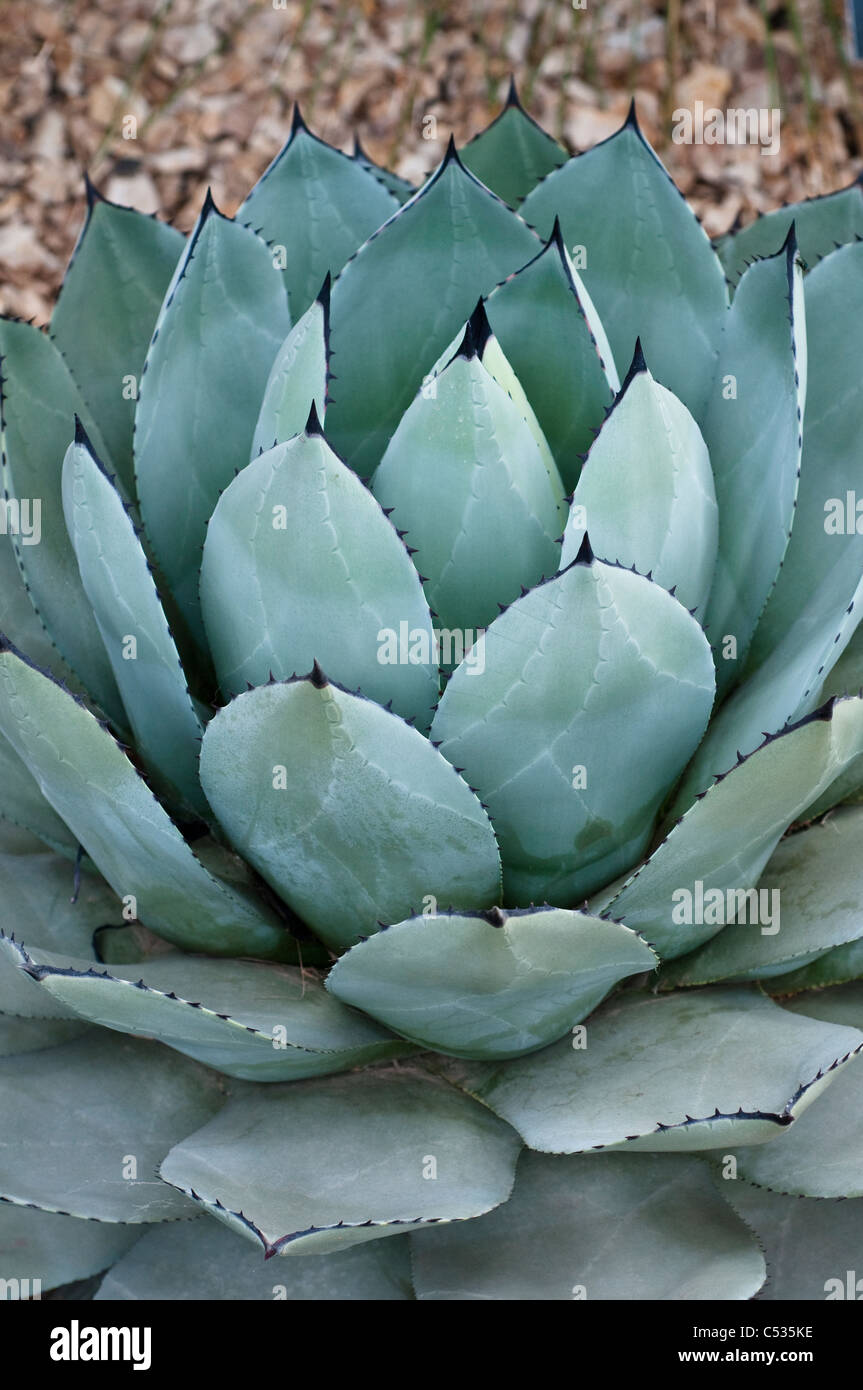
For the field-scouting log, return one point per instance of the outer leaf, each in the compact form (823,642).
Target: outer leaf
(755,440)
(351,815)
(750,1070)
(203,1260)
(19,1035)
(513,153)
(298,378)
(222,322)
(111,1100)
(319,1165)
(126,605)
(810,890)
(22,804)
(107,310)
(780,692)
(837,967)
(821,224)
(810,1245)
(418,281)
(550,727)
(618,202)
(466,480)
(40,908)
(20,621)
(90,782)
(50,1250)
(727,836)
(301,565)
(319,206)
(38,405)
(567,370)
(488,985)
(258,1022)
(626,1227)
(818,562)
(646,492)
(821,1158)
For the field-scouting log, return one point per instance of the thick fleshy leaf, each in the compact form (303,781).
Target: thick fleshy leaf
(298,378)
(778,694)
(646,492)
(567,370)
(548,725)
(350,814)
(39,906)
(823,1156)
(824,559)
(316,206)
(837,967)
(49,1250)
(138,641)
(618,203)
(21,623)
(401,299)
(812,1247)
(628,1226)
(107,310)
(116,1107)
(754,431)
(38,405)
(821,224)
(807,903)
(223,320)
(727,836)
(257,1022)
(315,1166)
(91,783)
(301,565)
(750,1070)
(491,984)
(399,187)
(466,481)
(22,804)
(18,1035)
(513,153)
(203,1260)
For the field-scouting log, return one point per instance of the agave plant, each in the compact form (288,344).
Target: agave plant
(418,734)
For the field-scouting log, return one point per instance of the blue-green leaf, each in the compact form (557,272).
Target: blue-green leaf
(301,565)
(298,378)
(401,299)
(618,203)
(223,320)
(316,206)
(465,479)
(548,722)
(350,814)
(106,313)
(513,153)
(137,638)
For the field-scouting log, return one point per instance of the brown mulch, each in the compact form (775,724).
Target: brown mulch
(157,100)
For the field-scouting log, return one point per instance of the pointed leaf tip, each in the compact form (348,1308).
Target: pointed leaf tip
(632,118)
(317,677)
(81,435)
(585,554)
(297,122)
(209,206)
(92,192)
(512,97)
(477,332)
(313,424)
(451,153)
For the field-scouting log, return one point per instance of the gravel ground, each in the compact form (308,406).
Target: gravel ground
(158,100)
